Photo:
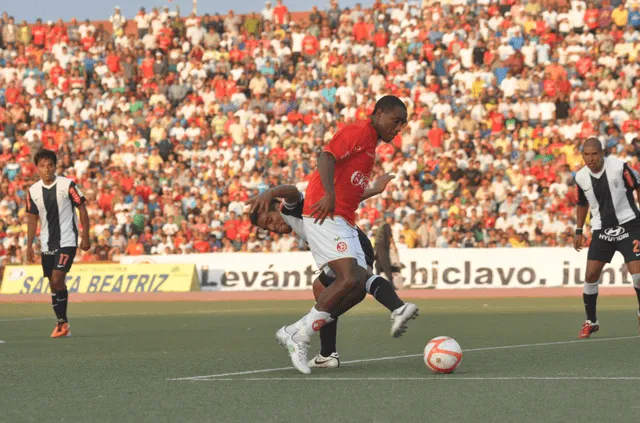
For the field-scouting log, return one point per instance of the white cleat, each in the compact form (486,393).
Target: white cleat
(297,348)
(400,317)
(321,362)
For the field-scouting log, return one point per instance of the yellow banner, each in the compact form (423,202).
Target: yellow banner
(87,278)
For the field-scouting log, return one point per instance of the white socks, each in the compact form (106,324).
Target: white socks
(310,323)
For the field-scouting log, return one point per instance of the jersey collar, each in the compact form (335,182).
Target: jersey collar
(52,183)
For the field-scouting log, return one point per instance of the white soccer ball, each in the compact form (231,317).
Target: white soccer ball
(442,354)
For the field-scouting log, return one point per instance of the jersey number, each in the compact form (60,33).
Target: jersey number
(636,246)
(64,258)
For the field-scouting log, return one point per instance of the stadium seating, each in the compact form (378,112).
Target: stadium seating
(168,124)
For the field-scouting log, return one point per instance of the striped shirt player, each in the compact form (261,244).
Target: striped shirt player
(55,206)
(614,213)
(53,200)
(606,188)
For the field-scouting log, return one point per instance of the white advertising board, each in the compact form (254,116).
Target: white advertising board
(423,268)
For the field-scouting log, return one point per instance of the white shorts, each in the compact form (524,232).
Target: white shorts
(334,239)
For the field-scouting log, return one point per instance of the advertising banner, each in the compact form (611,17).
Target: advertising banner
(88,278)
(422,268)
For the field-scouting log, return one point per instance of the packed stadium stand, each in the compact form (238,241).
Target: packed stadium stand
(169,123)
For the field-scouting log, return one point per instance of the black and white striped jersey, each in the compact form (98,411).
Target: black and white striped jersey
(54,204)
(609,193)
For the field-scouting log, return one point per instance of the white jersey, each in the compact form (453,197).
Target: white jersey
(54,204)
(609,193)
(292,214)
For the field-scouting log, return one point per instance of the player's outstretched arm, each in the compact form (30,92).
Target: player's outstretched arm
(378,186)
(260,202)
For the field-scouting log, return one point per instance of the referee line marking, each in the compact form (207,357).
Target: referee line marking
(399,357)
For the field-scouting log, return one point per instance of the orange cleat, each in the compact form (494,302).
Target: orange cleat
(588,328)
(61,330)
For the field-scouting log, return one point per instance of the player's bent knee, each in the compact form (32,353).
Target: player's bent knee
(592,277)
(636,280)
(58,281)
(590,288)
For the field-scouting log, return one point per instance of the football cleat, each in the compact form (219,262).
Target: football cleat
(62,330)
(588,328)
(322,362)
(297,346)
(400,317)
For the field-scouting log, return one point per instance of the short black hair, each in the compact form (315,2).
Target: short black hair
(45,154)
(253,217)
(593,142)
(389,102)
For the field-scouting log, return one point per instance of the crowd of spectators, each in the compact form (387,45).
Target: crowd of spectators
(168,128)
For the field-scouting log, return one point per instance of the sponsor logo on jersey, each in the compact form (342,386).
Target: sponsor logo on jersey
(75,196)
(617,233)
(359,179)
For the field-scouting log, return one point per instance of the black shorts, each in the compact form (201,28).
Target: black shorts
(624,238)
(60,259)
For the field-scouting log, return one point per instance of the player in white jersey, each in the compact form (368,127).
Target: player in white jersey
(605,187)
(53,200)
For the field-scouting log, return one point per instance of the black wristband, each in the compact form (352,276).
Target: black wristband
(578,231)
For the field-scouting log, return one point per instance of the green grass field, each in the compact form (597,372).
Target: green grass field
(123,359)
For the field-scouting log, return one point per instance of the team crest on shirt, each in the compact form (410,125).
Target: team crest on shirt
(341,247)
(359,179)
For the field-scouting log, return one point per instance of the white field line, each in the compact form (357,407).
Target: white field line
(442,378)
(398,357)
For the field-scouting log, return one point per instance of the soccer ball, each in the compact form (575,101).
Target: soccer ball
(442,354)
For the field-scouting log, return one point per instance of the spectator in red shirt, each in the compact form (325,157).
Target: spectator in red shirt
(201,245)
(436,136)
(280,12)
(231,227)
(310,45)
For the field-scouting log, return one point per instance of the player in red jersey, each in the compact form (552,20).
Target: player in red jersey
(334,192)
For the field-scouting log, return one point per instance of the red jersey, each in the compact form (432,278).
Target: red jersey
(354,148)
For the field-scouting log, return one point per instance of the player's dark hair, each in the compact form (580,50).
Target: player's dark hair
(389,102)
(253,217)
(593,142)
(45,154)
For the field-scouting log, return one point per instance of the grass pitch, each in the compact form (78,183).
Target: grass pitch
(168,362)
